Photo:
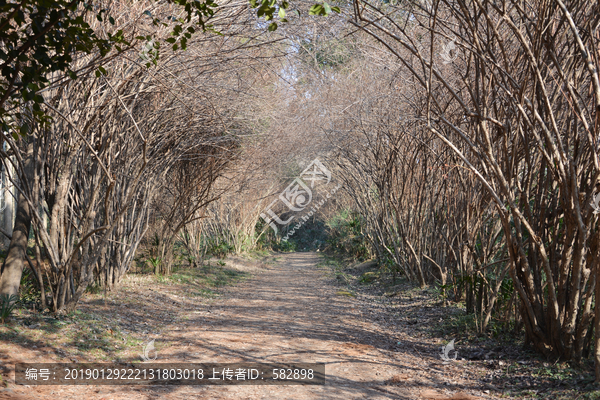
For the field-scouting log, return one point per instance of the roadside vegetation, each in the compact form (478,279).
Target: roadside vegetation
(506,367)
(111,326)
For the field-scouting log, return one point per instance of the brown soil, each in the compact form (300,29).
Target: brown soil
(286,312)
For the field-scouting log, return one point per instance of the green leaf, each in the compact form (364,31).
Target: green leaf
(336,9)
(171,40)
(211,29)
(24,129)
(315,9)
(281,13)
(327,8)
(272,27)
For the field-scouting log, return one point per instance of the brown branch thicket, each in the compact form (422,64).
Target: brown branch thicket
(518,102)
(423,212)
(140,143)
(284,117)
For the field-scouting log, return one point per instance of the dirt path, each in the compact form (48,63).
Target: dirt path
(290,313)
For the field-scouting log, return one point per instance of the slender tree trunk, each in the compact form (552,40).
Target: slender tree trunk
(12,269)
(597,325)
(9,200)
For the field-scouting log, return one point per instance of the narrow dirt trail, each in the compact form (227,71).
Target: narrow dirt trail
(287,313)
(290,313)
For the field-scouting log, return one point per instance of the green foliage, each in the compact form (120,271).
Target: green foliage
(29,291)
(368,277)
(155,263)
(341,233)
(345,235)
(218,246)
(94,288)
(441,291)
(271,8)
(285,245)
(458,324)
(267,239)
(42,36)
(191,260)
(326,53)
(222,249)
(9,303)
(323,9)
(203,280)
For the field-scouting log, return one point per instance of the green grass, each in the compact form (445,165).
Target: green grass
(345,293)
(258,253)
(202,281)
(328,262)
(369,277)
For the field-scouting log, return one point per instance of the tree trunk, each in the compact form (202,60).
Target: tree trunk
(597,325)
(9,193)
(12,269)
